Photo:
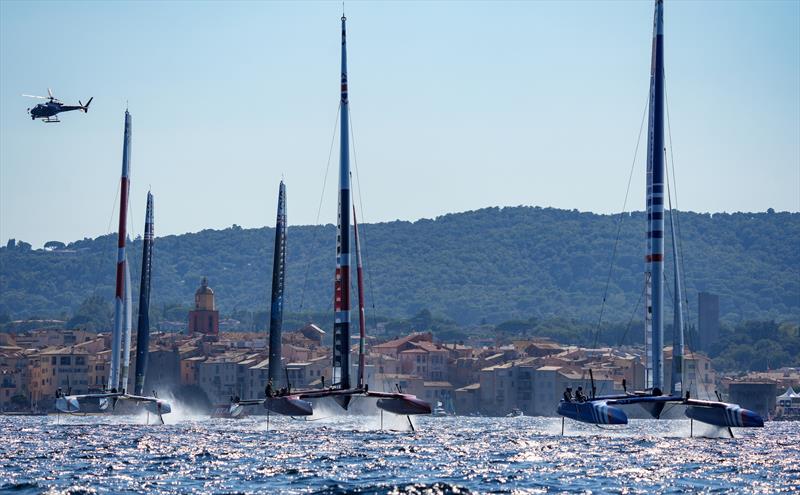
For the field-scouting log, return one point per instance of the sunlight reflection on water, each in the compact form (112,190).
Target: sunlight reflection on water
(83,454)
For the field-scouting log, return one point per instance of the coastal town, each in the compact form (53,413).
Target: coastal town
(207,367)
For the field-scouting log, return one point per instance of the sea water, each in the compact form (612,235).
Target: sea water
(364,454)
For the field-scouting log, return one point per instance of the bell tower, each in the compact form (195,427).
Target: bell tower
(205,317)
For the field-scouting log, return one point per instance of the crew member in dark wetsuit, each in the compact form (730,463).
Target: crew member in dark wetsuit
(579,395)
(268,391)
(568,394)
(323,380)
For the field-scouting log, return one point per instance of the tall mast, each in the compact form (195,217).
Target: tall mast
(127,308)
(676,378)
(276,302)
(143,323)
(362,325)
(119,316)
(654,270)
(341,309)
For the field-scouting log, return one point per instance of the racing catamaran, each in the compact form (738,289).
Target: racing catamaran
(116,389)
(603,409)
(279,396)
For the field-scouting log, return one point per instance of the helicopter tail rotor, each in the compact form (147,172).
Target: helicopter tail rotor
(85,108)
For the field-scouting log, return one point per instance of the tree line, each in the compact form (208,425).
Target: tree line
(486,266)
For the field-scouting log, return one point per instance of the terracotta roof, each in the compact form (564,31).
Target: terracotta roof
(400,341)
(549,368)
(437,384)
(427,346)
(65,350)
(500,366)
(414,351)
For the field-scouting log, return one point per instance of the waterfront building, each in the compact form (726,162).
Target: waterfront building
(758,396)
(217,376)
(788,405)
(467,399)
(699,377)
(58,368)
(255,377)
(14,379)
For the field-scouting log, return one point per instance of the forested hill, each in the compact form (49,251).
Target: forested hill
(488,265)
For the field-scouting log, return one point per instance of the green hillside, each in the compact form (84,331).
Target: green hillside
(490,265)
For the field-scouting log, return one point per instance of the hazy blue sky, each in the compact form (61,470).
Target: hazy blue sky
(455,106)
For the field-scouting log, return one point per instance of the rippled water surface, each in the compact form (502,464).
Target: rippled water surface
(101,454)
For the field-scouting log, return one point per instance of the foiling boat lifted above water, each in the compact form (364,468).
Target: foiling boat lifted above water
(604,409)
(280,397)
(121,338)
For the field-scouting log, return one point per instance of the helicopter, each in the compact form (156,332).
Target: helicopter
(48,111)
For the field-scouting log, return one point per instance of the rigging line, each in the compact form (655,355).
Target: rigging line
(319,208)
(679,247)
(633,315)
(619,224)
(677,215)
(675,248)
(108,231)
(113,208)
(363,231)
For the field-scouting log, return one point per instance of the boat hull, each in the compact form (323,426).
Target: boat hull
(289,406)
(731,416)
(597,412)
(405,405)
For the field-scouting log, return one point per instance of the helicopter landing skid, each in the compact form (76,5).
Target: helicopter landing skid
(51,120)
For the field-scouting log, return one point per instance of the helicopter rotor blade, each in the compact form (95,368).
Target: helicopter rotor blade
(50,92)
(40,97)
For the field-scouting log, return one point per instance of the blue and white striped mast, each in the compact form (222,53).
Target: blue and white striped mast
(654,269)
(341,317)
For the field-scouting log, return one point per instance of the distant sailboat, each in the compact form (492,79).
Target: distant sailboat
(283,399)
(603,409)
(121,337)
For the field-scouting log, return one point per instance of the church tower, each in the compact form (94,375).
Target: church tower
(205,317)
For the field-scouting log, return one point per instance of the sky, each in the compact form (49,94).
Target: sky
(455,106)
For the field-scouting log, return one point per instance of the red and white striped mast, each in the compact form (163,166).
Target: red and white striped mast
(115,378)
